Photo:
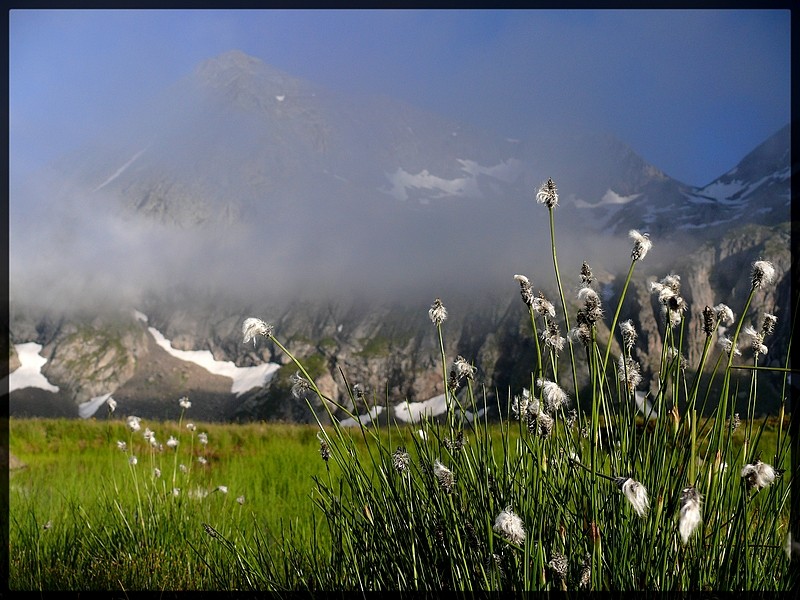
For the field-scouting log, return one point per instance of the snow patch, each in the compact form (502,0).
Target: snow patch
(402,181)
(645,406)
(87,409)
(364,419)
(120,170)
(609,198)
(412,412)
(244,378)
(29,373)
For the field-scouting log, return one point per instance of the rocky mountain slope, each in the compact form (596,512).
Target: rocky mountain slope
(247,192)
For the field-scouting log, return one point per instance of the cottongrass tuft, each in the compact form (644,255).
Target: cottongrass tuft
(727,346)
(636,494)
(558,566)
(756,340)
(112,405)
(300,386)
(592,311)
(554,396)
(641,244)
(690,513)
(586,274)
(240,499)
(585,573)
(191,426)
(628,371)
(401,461)
(202,437)
(763,273)
(324,448)
(172,442)
(525,289)
(444,476)
(580,333)
(543,306)
(724,314)
(548,194)
(768,325)
(552,336)
(133,460)
(252,328)
(437,312)
(541,423)
(758,475)
(123,446)
(628,332)
(134,423)
(184,403)
(509,526)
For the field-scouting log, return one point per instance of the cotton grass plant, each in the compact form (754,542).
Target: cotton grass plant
(561,494)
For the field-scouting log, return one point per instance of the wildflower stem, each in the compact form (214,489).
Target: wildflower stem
(616,314)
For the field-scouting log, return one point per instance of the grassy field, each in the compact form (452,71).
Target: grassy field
(74,508)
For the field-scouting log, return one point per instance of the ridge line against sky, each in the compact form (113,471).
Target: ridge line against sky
(691,91)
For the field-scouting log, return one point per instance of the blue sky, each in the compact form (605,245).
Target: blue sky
(691,91)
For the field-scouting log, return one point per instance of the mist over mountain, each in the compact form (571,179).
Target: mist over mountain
(243,191)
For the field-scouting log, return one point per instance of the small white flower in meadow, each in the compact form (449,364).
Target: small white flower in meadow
(133,460)
(157,472)
(554,396)
(240,499)
(112,404)
(509,525)
(636,494)
(763,273)
(202,437)
(47,525)
(690,513)
(134,423)
(252,327)
(148,434)
(183,468)
(222,488)
(444,476)
(191,426)
(641,244)
(176,491)
(184,403)
(437,312)
(758,475)
(548,194)
(202,460)
(122,445)
(172,442)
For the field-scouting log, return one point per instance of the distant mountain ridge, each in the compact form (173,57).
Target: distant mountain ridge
(252,180)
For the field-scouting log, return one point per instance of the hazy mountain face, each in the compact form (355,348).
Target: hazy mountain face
(240,177)
(242,191)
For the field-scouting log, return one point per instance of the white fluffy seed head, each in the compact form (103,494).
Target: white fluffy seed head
(636,494)
(641,244)
(690,513)
(509,525)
